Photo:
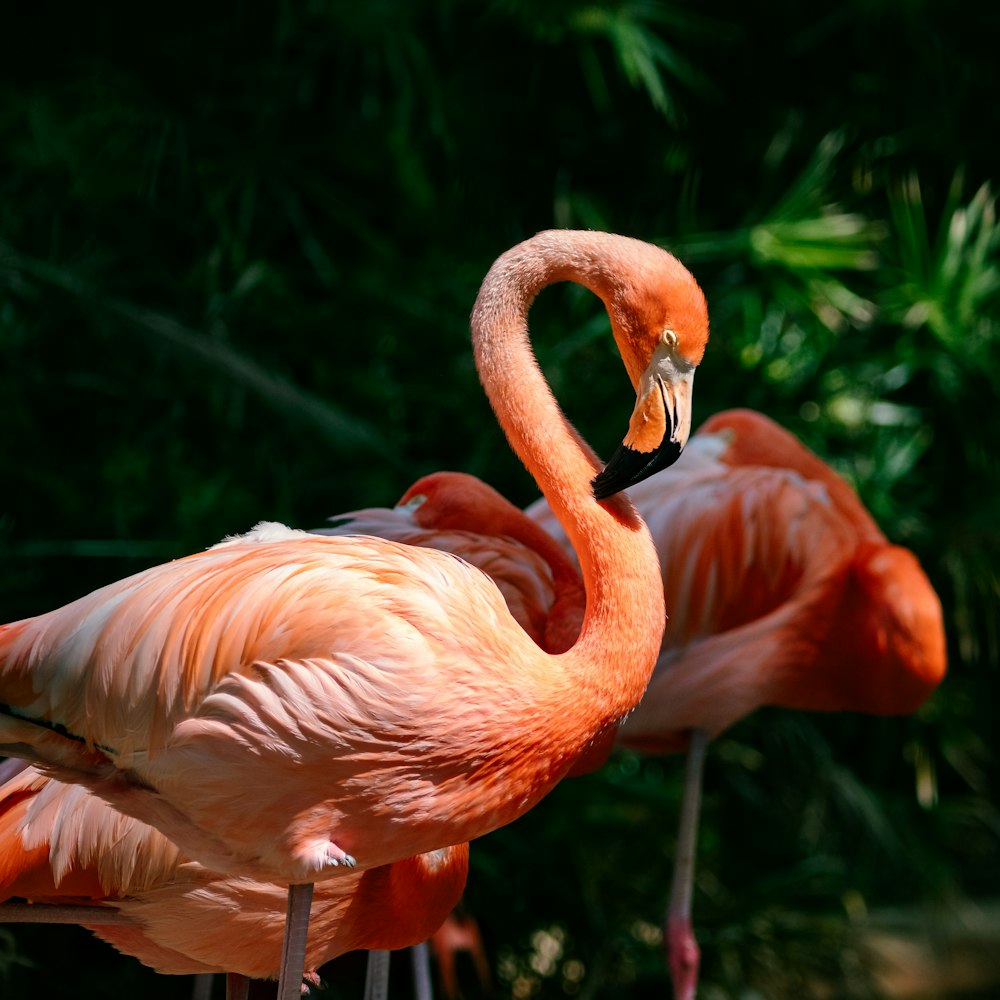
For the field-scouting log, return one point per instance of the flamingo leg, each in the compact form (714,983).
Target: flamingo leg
(237,986)
(377,977)
(293,948)
(420,955)
(201,988)
(683,955)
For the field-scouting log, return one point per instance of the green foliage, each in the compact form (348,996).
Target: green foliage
(238,249)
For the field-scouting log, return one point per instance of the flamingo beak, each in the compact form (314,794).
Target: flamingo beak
(659,428)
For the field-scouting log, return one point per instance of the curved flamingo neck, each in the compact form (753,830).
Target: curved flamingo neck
(623,625)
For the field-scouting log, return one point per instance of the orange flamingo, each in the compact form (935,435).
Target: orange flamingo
(780,590)
(178,913)
(285,705)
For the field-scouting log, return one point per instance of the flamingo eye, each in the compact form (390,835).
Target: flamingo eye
(669,339)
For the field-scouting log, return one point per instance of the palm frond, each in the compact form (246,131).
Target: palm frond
(951,281)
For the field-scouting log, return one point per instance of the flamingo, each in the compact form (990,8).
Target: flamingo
(62,846)
(781,590)
(286,705)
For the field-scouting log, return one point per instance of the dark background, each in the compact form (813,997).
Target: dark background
(238,249)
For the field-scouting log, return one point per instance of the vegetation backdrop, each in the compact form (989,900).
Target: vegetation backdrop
(239,245)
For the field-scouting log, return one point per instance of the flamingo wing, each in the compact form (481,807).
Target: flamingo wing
(60,844)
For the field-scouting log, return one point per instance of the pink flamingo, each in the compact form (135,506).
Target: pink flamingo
(285,705)
(181,918)
(780,590)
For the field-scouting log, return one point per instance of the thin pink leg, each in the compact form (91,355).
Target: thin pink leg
(293,948)
(683,955)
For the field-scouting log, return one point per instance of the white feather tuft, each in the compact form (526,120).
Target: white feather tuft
(263,533)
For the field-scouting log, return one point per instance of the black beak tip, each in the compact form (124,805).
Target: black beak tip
(628,467)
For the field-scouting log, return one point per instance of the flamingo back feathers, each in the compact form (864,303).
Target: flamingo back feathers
(121,665)
(751,438)
(735,544)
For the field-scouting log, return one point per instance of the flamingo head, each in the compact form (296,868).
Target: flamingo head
(660,322)
(456,501)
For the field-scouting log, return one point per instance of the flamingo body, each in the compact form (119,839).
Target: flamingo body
(60,844)
(260,619)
